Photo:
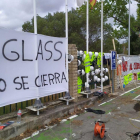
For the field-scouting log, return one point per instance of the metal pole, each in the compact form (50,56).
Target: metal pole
(87,36)
(66,28)
(101,45)
(113,81)
(129,32)
(35,32)
(35,20)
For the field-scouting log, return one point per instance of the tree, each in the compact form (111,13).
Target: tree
(28,27)
(119,12)
(135,36)
(95,32)
(54,25)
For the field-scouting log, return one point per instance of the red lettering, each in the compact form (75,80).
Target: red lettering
(124,65)
(134,66)
(130,68)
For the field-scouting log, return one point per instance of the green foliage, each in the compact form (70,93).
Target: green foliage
(27,27)
(54,25)
(135,36)
(117,10)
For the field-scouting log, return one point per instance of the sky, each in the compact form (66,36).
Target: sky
(13,13)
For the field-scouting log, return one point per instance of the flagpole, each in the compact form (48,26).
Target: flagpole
(87,25)
(101,45)
(129,32)
(35,32)
(87,38)
(35,20)
(66,31)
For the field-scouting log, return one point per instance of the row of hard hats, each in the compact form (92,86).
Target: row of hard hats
(81,72)
(97,71)
(99,79)
(90,54)
(96,79)
(81,54)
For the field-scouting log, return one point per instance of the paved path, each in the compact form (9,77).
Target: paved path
(118,114)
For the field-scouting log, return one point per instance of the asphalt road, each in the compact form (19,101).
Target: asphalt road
(118,118)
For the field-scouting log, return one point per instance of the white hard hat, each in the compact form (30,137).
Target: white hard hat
(95,78)
(79,62)
(70,58)
(96,54)
(81,53)
(97,71)
(91,68)
(92,73)
(79,72)
(83,72)
(103,79)
(90,54)
(106,78)
(103,69)
(106,69)
(83,58)
(101,74)
(119,62)
(98,80)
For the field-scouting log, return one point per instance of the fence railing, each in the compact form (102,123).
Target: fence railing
(23,105)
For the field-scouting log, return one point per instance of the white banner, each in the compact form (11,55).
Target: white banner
(130,65)
(27,70)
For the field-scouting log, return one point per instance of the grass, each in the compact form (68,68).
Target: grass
(108,111)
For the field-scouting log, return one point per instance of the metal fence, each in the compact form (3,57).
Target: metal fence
(23,105)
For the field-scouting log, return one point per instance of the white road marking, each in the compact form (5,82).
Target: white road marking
(74,116)
(118,96)
(106,102)
(129,91)
(134,120)
(136,98)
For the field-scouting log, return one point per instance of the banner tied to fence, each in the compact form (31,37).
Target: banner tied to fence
(130,65)
(31,66)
